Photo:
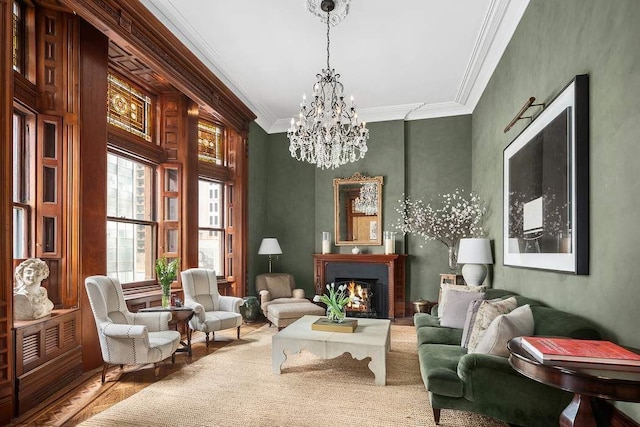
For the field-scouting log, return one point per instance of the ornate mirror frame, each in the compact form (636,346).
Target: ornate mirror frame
(352,227)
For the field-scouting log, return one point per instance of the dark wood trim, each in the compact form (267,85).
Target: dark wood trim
(91,171)
(131,25)
(6,217)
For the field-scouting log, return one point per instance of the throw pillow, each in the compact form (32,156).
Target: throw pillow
(504,327)
(446,287)
(470,319)
(278,287)
(488,311)
(456,310)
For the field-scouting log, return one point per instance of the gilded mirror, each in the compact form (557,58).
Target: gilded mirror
(358,210)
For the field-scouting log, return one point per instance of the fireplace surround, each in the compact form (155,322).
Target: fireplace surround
(389,270)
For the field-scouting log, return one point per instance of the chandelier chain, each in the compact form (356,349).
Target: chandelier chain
(328,28)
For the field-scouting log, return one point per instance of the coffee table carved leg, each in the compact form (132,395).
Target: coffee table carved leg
(278,357)
(579,413)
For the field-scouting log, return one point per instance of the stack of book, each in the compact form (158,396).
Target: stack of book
(591,354)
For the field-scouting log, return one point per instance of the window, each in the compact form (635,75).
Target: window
(128,108)
(21,195)
(18,37)
(210,143)
(211,235)
(131,229)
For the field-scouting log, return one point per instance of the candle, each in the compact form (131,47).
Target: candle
(389,246)
(326,242)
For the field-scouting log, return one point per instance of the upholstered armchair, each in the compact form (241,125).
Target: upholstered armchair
(277,288)
(212,311)
(125,337)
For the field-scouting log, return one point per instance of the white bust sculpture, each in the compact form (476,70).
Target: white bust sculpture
(30,300)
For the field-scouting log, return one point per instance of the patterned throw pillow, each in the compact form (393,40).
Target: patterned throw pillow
(488,311)
(445,288)
(470,319)
(504,327)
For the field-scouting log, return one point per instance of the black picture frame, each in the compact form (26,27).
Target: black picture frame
(546,187)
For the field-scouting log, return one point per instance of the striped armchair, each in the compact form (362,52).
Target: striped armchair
(212,311)
(125,337)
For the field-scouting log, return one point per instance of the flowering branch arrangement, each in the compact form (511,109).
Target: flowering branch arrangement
(166,273)
(336,301)
(457,215)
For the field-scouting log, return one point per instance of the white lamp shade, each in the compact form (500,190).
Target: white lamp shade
(474,251)
(269,246)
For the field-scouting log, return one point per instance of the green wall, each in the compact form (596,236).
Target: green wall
(438,161)
(257,201)
(555,41)
(295,200)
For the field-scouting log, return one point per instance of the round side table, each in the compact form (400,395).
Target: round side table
(587,384)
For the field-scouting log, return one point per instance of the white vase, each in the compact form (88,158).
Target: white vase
(355,250)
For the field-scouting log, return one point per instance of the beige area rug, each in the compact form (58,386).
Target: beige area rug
(235,387)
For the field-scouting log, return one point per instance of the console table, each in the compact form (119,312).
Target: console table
(395,280)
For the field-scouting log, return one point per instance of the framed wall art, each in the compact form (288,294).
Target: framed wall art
(546,187)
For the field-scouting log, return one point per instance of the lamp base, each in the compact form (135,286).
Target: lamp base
(474,274)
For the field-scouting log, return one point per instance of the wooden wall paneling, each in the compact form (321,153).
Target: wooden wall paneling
(51,40)
(188,155)
(6,217)
(70,137)
(241,214)
(90,199)
(134,28)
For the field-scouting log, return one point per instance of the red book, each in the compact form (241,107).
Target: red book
(571,350)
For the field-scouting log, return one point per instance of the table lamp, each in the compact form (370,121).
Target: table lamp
(269,246)
(474,254)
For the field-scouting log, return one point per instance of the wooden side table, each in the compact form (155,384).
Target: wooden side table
(587,384)
(179,316)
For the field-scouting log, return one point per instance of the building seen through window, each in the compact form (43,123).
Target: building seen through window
(211,226)
(131,229)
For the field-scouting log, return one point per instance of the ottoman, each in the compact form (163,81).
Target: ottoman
(282,315)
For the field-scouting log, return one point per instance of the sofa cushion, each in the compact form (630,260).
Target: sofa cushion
(455,312)
(278,287)
(549,321)
(446,287)
(438,335)
(440,364)
(504,327)
(488,311)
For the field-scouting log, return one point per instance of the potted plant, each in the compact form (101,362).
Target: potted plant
(166,273)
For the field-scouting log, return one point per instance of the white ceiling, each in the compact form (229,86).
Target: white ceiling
(401,59)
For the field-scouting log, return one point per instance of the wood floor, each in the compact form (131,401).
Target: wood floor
(87,396)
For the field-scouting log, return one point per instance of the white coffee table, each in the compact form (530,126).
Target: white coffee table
(370,339)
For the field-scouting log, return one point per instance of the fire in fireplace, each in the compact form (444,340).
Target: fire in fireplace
(362,302)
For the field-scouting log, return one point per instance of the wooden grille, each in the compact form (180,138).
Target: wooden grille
(68,332)
(30,348)
(51,339)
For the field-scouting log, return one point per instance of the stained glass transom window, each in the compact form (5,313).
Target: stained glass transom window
(128,108)
(17,36)
(210,143)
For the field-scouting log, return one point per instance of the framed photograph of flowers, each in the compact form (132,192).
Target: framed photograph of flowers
(546,187)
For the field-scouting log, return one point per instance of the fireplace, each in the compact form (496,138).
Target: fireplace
(367,296)
(385,271)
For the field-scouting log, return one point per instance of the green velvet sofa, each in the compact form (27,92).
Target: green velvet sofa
(487,384)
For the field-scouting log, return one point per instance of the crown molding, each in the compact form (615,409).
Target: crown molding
(494,36)
(407,112)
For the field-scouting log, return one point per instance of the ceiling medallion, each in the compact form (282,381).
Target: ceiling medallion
(338,13)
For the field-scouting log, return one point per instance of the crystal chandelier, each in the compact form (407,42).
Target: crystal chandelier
(327,132)
(367,202)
